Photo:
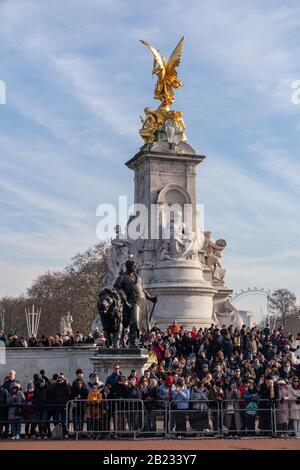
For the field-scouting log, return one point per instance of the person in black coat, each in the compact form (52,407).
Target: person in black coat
(268,395)
(119,392)
(153,405)
(201,359)
(215,345)
(186,344)
(3,408)
(79,393)
(41,400)
(60,395)
(79,377)
(227,346)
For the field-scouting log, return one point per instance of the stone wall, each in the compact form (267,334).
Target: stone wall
(28,361)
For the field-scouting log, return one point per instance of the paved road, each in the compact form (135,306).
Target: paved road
(171,444)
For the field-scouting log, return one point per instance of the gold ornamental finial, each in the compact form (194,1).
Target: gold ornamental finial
(166,73)
(167,81)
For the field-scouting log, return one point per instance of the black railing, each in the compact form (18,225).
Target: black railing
(150,418)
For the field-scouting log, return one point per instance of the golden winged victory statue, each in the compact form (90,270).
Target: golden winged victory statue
(167,81)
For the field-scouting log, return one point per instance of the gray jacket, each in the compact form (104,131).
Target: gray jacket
(16,399)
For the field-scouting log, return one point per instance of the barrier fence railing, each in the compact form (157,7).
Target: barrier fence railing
(287,417)
(108,417)
(247,417)
(33,419)
(194,418)
(155,418)
(151,418)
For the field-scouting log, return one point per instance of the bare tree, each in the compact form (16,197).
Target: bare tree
(13,309)
(86,273)
(283,303)
(74,289)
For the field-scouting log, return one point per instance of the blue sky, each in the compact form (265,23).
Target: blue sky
(77,81)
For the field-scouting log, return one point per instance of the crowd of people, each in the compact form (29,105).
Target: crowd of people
(96,338)
(242,379)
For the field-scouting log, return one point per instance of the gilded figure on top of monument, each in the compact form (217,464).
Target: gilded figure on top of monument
(167,81)
(166,73)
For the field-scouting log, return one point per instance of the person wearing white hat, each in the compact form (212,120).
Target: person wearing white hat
(294,396)
(282,406)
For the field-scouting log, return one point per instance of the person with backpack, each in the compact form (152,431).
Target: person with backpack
(251,397)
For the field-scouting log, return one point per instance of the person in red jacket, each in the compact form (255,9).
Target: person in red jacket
(30,415)
(174,328)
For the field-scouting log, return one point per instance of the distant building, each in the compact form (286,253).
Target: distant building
(248,317)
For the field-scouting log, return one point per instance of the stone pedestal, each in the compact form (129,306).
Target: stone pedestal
(164,178)
(106,358)
(184,295)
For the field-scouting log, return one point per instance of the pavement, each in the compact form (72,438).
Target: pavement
(155,444)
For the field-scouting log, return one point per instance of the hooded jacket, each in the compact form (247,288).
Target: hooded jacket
(17,398)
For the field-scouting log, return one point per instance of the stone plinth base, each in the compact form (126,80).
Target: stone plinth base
(106,358)
(184,295)
(28,361)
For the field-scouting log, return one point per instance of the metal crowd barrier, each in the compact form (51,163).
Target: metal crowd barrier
(200,418)
(156,418)
(42,418)
(241,419)
(285,412)
(109,417)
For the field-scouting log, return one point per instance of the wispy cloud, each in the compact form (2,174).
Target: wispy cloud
(77,81)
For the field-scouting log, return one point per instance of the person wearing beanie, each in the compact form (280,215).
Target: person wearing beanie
(269,394)
(79,377)
(15,397)
(79,394)
(30,412)
(294,396)
(94,379)
(41,400)
(94,411)
(61,394)
(166,389)
(180,398)
(282,412)
(233,419)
